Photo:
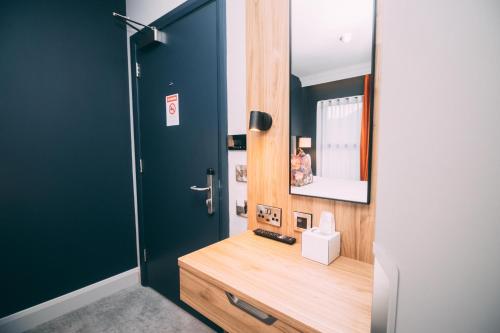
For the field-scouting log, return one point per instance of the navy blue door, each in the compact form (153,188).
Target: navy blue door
(174,219)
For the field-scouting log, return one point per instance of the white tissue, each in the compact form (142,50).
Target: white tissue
(327,223)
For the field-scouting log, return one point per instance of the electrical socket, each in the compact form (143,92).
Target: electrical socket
(302,220)
(268,214)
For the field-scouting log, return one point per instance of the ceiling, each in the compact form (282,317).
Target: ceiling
(318,55)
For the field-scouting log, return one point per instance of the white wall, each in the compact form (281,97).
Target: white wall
(439,161)
(236,102)
(147,11)
(237,192)
(150,10)
(236,66)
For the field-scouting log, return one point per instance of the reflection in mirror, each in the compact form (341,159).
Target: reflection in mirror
(331,97)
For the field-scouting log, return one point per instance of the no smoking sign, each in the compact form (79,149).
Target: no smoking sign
(172,106)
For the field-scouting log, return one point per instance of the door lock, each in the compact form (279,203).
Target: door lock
(209,189)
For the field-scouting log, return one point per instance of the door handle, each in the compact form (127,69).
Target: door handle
(199,189)
(250,309)
(209,189)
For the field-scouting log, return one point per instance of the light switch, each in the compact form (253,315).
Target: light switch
(241,210)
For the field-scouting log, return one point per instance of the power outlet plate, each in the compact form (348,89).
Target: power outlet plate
(268,214)
(302,221)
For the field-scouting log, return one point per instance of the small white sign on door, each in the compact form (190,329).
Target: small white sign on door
(172,104)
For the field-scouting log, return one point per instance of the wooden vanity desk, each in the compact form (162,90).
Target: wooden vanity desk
(298,294)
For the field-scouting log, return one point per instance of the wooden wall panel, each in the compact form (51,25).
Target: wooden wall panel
(268,59)
(267,90)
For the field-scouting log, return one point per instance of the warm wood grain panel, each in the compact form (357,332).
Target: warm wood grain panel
(212,302)
(276,279)
(355,223)
(268,90)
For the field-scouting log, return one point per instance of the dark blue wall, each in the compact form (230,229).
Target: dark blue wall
(299,115)
(66,200)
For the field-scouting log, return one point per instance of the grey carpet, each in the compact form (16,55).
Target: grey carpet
(136,309)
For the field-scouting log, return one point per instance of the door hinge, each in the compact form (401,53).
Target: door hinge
(145,252)
(140,165)
(137,70)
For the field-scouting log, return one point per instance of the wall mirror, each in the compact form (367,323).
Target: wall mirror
(331,98)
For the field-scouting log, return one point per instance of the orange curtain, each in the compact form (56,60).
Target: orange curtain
(365,130)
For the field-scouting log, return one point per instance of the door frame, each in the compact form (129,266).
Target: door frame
(223,195)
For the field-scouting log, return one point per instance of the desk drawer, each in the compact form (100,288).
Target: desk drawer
(225,310)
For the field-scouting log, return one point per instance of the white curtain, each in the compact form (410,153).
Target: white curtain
(338,134)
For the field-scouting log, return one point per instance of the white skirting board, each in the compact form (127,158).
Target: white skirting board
(38,314)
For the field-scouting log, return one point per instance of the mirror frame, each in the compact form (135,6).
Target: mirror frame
(372,103)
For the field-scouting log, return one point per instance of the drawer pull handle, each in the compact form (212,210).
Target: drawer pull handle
(251,310)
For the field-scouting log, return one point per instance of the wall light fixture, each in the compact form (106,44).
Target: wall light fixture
(260,121)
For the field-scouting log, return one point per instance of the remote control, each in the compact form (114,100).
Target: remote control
(275,236)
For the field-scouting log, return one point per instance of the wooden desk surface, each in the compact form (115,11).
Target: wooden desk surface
(275,277)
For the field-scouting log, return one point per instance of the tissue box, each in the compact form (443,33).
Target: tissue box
(320,247)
